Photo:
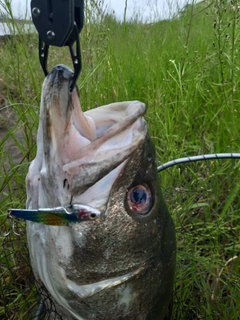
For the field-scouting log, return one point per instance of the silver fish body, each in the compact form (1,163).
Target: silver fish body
(120,266)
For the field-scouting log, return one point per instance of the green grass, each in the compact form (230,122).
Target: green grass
(187,72)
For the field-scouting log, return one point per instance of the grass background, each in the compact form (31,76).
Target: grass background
(187,72)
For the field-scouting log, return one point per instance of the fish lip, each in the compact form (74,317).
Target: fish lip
(59,75)
(64,71)
(89,290)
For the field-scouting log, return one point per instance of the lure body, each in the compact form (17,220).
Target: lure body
(58,216)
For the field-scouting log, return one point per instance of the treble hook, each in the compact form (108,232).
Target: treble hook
(11,230)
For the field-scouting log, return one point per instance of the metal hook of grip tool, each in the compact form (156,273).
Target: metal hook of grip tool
(58,23)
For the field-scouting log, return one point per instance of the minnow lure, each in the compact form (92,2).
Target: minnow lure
(57,216)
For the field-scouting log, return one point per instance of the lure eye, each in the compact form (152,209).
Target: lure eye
(139,199)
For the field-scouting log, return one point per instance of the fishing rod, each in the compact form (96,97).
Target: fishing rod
(203,157)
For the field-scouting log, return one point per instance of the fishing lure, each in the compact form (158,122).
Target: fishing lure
(57,216)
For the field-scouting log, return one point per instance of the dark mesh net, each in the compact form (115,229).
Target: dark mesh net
(203,198)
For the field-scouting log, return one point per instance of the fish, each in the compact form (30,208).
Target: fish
(120,265)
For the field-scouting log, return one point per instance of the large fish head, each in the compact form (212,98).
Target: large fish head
(120,266)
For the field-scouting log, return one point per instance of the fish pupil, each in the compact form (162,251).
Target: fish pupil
(138,196)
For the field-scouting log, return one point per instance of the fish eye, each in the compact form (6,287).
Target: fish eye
(139,199)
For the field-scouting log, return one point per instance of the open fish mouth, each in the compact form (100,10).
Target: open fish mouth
(90,147)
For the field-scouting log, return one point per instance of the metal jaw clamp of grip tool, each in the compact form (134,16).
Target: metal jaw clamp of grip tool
(59,23)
